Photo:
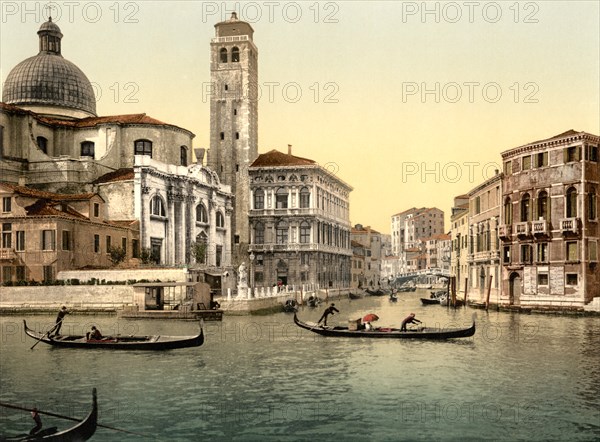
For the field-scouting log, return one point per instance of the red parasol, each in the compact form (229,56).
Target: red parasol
(370,317)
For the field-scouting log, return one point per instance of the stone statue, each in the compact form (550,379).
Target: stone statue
(242,275)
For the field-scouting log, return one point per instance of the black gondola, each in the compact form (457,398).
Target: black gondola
(430,301)
(290,306)
(119,342)
(377,292)
(388,333)
(80,432)
(354,295)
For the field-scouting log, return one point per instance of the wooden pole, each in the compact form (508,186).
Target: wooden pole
(448,294)
(466,286)
(489,289)
(454,291)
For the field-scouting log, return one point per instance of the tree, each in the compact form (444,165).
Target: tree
(146,255)
(199,251)
(116,254)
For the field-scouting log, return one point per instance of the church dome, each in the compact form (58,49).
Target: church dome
(48,79)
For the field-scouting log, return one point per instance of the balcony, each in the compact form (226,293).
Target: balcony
(540,227)
(7,254)
(505,231)
(569,225)
(523,229)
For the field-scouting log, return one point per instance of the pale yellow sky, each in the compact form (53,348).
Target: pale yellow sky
(409,102)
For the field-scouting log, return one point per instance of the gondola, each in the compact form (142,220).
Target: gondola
(389,333)
(377,292)
(119,342)
(429,301)
(290,306)
(354,295)
(80,432)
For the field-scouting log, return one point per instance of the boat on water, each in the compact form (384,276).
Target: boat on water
(430,301)
(354,295)
(80,432)
(290,306)
(119,342)
(387,333)
(377,292)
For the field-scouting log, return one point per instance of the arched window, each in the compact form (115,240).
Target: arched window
(220,220)
(42,144)
(304,232)
(592,205)
(281,198)
(259,199)
(259,233)
(183,155)
(87,149)
(223,55)
(201,214)
(525,208)
(157,207)
(200,248)
(282,232)
(542,205)
(508,218)
(143,147)
(235,54)
(304,198)
(571,209)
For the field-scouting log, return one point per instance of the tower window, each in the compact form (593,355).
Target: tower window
(235,54)
(87,149)
(235,112)
(237,135)
(42,144)
(183,155)
(226,87)
(237,167)
(223,55)
(222,135)
(143,147)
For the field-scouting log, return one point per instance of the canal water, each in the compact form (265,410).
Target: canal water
(521,377)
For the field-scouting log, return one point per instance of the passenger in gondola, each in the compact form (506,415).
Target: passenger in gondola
(95,335)
(410,319)
(214,305)
(38,421)
(328,311)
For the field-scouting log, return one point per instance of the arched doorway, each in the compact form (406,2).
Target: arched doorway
(514,289)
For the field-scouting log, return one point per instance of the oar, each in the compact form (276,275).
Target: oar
(47,413)
(47,333)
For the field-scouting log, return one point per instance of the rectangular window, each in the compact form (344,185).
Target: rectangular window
(96,210)
(48,273)
(593,251)
(572,253)
(525,253)
(508,168)
(571,278)
(124,245)
(48,240)
(108,243)
(20,241)
(7,204)
(571,154)
(20,273)
(96,243)
(6,273)
(6,235)
(506,255)
(542,252)
(259,260)
(541,159)
(218,256)
(66,240)
(526,163)
(258,277)
(591,153)
(542,279)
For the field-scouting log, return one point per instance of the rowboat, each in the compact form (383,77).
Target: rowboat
(80,432)
(119,342)
(389,333)
(429,301)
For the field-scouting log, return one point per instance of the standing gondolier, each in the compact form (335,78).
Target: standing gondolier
(59,320)
(328,311)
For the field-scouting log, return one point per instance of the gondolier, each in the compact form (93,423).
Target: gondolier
(410,319)
(328,311)
(37,419)
(59,320)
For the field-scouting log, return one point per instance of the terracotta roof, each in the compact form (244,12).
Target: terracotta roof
(34,193)
(43,207)
(114,119)
(123,174)
(356,244)
(276,158)
(124,223)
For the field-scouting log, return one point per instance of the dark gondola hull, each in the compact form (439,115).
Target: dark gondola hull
(430,301)
(80,432)
(120,342)
(344,332)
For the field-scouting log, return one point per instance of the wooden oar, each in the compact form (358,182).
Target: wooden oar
(47,413)
(47,333)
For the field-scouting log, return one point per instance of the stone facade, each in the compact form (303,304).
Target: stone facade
(371,240)
(549,222)
(459,220)
(300,225)
(234,119)
(484,244)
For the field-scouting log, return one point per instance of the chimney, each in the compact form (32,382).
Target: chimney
(289,149)
(199,155)
(22,181)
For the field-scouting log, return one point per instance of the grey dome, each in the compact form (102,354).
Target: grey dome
(47,79)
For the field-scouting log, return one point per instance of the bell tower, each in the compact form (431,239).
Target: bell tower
(234,120)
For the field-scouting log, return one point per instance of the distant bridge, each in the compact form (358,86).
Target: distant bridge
(405,277)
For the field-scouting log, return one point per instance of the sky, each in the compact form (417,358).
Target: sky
(411,103)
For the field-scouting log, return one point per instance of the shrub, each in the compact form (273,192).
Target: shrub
(116,254)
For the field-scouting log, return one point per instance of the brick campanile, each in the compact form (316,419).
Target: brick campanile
(234,120)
